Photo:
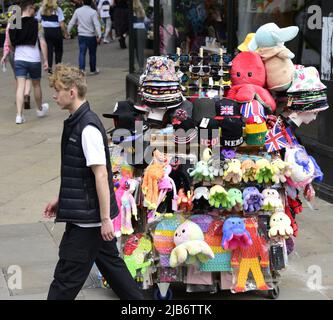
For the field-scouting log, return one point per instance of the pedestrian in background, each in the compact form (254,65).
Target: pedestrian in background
(104,7)
(27,58)
(121,23)
(53,21)
(86,200)
(89,34)
(8,54)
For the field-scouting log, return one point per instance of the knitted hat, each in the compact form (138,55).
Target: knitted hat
(203,108)
(256,130)
(185,131)
(227,113)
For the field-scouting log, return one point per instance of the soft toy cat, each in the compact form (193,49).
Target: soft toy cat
(248,77)
(269,40)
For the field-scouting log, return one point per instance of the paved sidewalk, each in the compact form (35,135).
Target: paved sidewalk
(29,178)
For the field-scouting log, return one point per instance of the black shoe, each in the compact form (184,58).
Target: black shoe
(122,43)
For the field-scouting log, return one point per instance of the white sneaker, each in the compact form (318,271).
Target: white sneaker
(19,119)
(94,73)
(106,41)
(45,109)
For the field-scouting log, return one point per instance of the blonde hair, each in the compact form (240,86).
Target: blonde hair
(138,9)
(65,77)
(48,7)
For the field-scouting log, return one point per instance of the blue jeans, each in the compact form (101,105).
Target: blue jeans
(89,43)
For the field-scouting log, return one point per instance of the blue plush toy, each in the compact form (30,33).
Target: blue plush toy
(235,234)
(269,41)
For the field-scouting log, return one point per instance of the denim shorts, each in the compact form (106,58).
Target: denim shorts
(24,69)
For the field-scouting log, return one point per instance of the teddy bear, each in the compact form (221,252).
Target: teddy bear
(248,77)
(269,42)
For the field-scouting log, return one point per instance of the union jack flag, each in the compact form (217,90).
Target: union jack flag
(276,140)
(252,108)
(226,110)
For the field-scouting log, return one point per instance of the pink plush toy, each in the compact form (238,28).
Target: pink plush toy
(165,185)
(119,193)
(128,207)
(248,77)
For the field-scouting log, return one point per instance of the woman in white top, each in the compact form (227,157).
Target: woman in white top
(103,9)
(52,19)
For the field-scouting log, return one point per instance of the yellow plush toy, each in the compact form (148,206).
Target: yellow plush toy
(281,170)
(234,172)
(190,245)
(249,170)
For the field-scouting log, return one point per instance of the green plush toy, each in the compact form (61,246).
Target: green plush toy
(235,198)
(219,197)
(264,172)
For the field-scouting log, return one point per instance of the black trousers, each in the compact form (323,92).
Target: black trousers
(79,249)
(54,41)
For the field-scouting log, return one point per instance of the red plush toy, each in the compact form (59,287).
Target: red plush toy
(248,77)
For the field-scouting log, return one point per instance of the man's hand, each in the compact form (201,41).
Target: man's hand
(51,209)
(45,66)
(107,230)
(99,40)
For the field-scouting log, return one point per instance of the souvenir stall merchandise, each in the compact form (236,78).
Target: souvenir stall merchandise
(202,74)
(223,214)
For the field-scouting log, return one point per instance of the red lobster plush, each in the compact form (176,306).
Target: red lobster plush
(248,77)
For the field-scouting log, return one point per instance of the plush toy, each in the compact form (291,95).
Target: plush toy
(264,172)
(234,172)
(190,245)
(302,167)
(281,170)
(201,172)
(216,166)
(219,197)
(249,170)
(235,199)
(165,185)
(153,174)
(128,207)
(269,41)
(272,200)
(117,221)
(136,249)
(200,198)
(248,77)
(280,225)
(184,200)
(253,200)
(235,234)
(252,258)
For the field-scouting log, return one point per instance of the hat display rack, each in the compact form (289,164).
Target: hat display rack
(215,208)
